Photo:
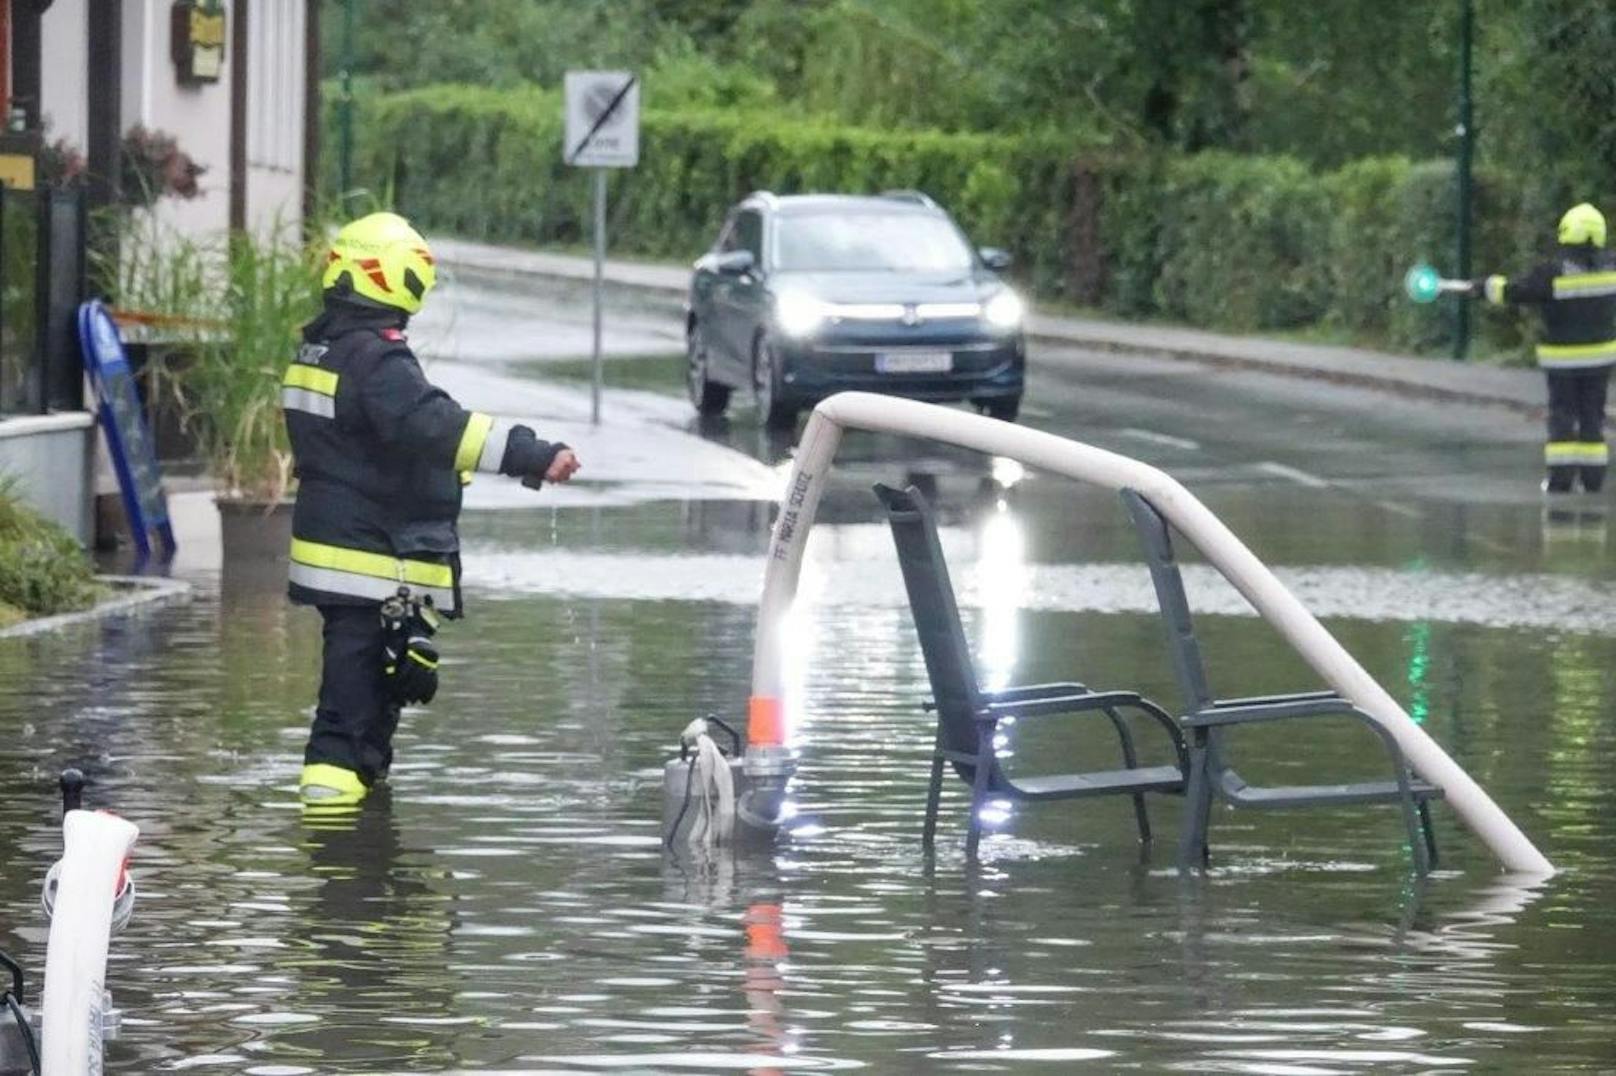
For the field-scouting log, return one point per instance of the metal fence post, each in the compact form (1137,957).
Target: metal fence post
(1467,149)
(597,375)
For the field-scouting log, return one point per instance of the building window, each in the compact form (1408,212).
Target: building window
(274,86)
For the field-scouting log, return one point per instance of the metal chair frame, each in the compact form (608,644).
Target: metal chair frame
(968,717)
(1208,719)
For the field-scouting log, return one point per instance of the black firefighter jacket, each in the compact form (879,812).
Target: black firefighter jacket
(1576,293)
(381,455)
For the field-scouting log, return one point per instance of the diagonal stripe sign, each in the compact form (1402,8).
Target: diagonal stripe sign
(621,110)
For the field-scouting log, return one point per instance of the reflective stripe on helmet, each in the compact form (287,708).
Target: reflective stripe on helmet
(482,445)
(1584,285)
(1576,356)
(308,401)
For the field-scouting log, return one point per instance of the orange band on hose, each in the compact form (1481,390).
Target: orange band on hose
(765,934)
(765,722)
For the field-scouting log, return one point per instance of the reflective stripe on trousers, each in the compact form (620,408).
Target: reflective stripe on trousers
(1576,454)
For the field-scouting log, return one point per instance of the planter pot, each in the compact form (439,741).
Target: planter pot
(251,531)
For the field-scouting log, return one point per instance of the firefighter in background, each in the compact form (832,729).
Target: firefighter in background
(1576,294)
(381,455)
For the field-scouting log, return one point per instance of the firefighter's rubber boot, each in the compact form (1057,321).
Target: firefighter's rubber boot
(325,785)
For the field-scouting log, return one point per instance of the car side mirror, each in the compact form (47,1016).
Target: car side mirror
(735,263)
(995,259)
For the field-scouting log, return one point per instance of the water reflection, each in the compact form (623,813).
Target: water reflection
(364,956)
(1001,577)
(509,907)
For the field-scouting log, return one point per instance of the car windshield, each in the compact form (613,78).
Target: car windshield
(870,242)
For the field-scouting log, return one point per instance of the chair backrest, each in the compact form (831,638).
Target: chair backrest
(1175,606)
(936,614)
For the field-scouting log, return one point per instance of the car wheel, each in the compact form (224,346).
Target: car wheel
(1003,408)
(709,397)
(772,407)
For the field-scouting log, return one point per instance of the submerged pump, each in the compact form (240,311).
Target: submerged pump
(710,798)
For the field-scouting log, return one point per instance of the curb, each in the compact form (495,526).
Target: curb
(149,592)
(511,262)
(1356,378)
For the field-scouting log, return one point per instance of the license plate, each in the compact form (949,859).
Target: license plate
(914,362)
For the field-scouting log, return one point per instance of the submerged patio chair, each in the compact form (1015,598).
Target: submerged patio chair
(968,717)
(1208,719)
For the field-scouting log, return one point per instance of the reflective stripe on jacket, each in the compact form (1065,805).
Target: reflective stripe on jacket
(379,453)
(1576,295)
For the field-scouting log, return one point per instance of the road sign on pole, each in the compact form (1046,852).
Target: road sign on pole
(602,131)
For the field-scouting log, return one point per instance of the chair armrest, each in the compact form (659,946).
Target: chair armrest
(1035,691)
(1246,715)
(1060,704)
(1269,700)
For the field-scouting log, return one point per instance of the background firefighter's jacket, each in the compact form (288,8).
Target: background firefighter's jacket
(1576,293)
(380,454)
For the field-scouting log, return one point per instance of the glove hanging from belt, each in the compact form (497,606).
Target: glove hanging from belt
(409,660)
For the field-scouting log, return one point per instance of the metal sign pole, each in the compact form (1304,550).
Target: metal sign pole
(598,375)
(601,112)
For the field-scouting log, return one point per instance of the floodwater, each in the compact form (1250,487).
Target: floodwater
(505,905)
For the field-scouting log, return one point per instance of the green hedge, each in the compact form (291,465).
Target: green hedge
(1219,240)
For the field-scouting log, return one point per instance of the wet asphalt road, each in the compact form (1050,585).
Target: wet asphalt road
(1208,426)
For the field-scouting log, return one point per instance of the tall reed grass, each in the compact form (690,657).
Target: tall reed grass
(227,312)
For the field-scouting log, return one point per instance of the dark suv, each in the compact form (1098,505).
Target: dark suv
(808,295)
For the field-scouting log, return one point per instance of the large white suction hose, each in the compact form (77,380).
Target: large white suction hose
(95,848)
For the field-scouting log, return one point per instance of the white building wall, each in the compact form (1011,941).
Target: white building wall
(198,116)
(275,109)
(64,88)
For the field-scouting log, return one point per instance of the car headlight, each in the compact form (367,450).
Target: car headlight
(797,313)
(1005,310)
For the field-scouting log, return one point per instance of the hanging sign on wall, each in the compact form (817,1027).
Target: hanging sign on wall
(196,34)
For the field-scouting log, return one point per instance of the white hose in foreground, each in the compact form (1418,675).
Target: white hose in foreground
(769,717)
(95,846)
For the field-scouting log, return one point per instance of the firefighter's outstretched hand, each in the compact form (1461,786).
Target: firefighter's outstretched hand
(563,467)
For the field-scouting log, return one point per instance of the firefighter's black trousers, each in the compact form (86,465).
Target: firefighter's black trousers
(355,720)
(1576,445)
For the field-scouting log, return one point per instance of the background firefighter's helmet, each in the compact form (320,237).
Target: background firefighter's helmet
(380,259)
(1582,224)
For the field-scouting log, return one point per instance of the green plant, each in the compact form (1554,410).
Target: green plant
(229,312)
(42,569)
(1230,241)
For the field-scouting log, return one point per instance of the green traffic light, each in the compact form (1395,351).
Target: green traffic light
(1422,284)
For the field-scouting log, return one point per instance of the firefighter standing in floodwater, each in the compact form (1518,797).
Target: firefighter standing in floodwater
(1575,292)
(381,455)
